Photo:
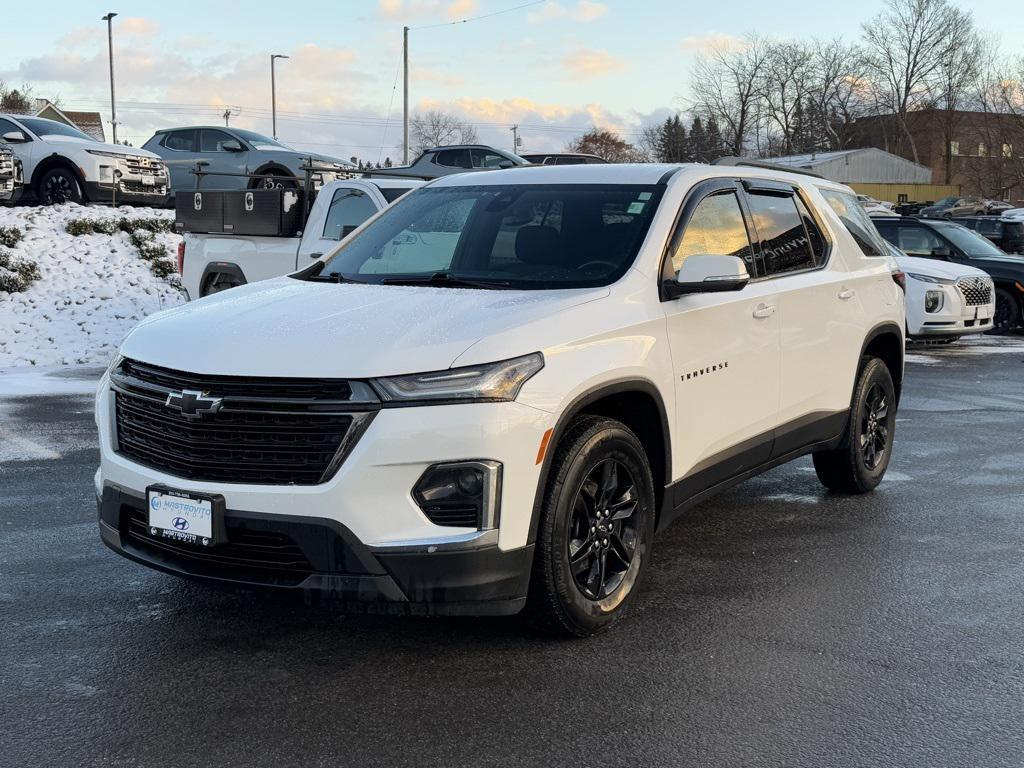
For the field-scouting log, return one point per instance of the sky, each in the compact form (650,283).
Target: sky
(555,67)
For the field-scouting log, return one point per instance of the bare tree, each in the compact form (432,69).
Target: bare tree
(435,129)
(838,88)
(725,87)
(954,89)
(17,101)
(607,144)
(783,83)
(905,46)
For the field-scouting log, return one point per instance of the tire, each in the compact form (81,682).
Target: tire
(217,282)
(598,463)
(1007,318)
(59,185)
(859,463)
(276,180)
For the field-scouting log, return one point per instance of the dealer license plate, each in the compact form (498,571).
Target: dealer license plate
(181,516)
(984,312)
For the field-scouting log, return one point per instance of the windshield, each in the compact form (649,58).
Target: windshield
(856,220)
(526,236)
(43,128)
(947,201)
(259,141)
(968,241)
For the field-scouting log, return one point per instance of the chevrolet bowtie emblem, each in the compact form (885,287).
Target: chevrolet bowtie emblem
(193,404)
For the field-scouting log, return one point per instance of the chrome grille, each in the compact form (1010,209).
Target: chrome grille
(144,166)
(273,431)
(975,290)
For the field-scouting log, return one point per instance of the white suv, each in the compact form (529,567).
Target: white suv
(62,164)
(494,392)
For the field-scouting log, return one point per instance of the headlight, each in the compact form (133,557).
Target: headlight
(101,153)
(933,301)
(930,279)
(490,382)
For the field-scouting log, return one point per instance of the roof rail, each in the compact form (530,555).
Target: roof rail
(747,162)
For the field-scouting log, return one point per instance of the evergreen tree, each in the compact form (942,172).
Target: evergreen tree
(698,141)
(672,145)
(715,145)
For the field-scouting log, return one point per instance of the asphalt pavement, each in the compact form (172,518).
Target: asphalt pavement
(779,626)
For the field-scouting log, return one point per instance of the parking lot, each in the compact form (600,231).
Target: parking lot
(779,626)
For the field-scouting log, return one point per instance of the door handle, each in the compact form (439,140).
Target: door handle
(764,310)
(315,255)
(846,293)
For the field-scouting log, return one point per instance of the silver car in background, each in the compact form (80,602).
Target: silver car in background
(251,160)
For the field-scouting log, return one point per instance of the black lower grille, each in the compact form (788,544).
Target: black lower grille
(246,549)
(260,432)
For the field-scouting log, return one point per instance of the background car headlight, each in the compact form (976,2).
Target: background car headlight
(493,381)
(933,301)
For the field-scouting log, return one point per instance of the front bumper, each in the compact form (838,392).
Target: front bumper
(322,556)
(954,318)
(128,191)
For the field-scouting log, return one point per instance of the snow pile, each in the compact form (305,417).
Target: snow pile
(92,289)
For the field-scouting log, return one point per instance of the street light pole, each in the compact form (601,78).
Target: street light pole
(405,95)
(110,49)
(273,94)
(515,139)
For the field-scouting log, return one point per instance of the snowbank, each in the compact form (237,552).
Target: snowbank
(91,291)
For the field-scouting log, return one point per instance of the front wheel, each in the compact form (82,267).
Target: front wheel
(275,180)
(596,529)
(859,463)
(1007,316)
(59,185)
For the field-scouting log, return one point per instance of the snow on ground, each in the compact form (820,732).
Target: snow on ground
(93,288)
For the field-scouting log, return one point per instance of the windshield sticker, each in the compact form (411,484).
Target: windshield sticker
(635,208)
(644,196)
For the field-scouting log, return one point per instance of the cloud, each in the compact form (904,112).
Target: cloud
(406,10)
(712,41)
(590,63)
(584,10)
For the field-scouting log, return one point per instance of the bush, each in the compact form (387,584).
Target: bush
(78,227)
(10,236)
(153,225)
(16,274)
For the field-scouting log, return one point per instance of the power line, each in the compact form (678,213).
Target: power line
(478,18)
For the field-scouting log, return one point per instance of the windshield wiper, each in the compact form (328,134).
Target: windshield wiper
(331,277)
(446,280)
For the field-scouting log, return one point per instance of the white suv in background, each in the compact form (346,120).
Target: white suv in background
(62,164)
(492,395)
(945,300)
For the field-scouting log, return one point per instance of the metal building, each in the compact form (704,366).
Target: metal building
(860,166)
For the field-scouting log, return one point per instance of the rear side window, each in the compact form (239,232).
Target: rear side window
(453,158)
(988,226)
(855,219)
(716,228)
(182,141)
(349,208)
(785,245)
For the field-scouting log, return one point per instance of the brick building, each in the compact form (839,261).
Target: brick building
(982,152)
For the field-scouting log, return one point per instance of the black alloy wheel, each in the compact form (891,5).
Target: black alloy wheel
(276,181)
(1007,316)
(874,429)
(59,186)
(602,538)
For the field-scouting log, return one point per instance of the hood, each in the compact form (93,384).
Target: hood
(289,327)
(117,149)
(297,156)
(945,270)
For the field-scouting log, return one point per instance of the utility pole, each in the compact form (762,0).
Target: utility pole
(405,95)
(110,49)
(229,112)
(515,139)
(273,95)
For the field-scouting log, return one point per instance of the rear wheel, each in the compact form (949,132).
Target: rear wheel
(1007,316)
(859,463)
(217,282)
(596,528)
(59,185)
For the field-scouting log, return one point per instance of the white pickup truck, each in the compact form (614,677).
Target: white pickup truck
(209,263)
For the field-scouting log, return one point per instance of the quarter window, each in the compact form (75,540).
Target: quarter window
(349,208)
(715,227)
(785,246)
(855,219)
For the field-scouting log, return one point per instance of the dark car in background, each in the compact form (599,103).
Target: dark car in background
(563,158)
(951,207)
(1007,234)
(950,241)
(258,161)
(456,158)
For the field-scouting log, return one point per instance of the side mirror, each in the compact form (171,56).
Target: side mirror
(706,273)
(14,137)
(506,164)
(231,146)
(942,252)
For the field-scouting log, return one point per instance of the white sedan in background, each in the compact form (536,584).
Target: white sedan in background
(945,300)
